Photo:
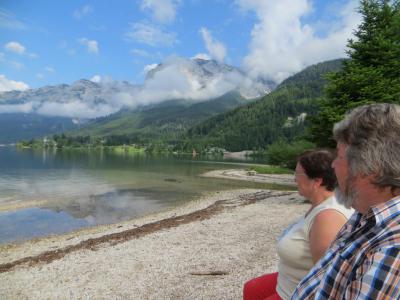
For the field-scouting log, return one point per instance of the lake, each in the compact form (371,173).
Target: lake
(77,188)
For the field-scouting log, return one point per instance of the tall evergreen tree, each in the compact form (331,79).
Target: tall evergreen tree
(371,75)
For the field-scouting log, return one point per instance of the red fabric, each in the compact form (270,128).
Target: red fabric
(261,288)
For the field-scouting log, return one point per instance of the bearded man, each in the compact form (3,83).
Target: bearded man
(364,260)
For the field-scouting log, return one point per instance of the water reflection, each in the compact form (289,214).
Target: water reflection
(111,207)
(85,188)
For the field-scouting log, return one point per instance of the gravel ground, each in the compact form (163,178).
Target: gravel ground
(206,249)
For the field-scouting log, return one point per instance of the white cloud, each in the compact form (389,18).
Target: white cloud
(92,45)
(282,44)
(76,109)
(107,98)
(83,11)
(176,78)
(11,85)
(15,47)
(16,108)
(150,67)
(96,78)
(164,11)
(9,21)
(216,49)
(20,49)
(204,56)
(150,35)
(180,78)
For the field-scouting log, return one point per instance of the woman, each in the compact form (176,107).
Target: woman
(303,243)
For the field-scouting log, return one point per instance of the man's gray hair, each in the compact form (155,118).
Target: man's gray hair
(372,135)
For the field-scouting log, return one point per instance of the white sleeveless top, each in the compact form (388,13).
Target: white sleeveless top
(295,260)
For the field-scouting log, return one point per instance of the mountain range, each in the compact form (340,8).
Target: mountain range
(177,86)
(184,103)
(230,121)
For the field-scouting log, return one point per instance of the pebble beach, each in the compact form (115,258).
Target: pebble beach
(205,249)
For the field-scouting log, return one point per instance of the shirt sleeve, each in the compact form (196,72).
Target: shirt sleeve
(379,276)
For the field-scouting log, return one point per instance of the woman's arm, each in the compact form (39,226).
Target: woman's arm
(323,231)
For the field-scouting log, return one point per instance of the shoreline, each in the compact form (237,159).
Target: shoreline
(280,180)
(206,248)
(18,204)
(241,174)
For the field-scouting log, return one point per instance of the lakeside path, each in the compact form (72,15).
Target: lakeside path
(206,249)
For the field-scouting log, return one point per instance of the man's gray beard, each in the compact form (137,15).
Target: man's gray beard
(346,200)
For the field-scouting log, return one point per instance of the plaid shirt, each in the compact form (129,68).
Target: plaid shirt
(363,262)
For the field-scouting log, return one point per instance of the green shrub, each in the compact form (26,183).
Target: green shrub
(284,154)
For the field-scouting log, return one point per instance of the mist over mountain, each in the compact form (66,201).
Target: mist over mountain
(167,106)
(195,80)
(229,121)
(200,79)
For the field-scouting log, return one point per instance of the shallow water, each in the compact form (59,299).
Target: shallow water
(84,188)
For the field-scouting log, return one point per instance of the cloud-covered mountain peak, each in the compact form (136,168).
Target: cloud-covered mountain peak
(197,66)
(176,78)
(205,79)
(82,99)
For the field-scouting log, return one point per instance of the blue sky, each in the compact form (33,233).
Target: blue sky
(46,42)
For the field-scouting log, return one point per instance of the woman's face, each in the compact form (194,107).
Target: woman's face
(304,184)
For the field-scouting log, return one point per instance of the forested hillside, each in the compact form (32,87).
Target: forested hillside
(280,114)
(166,122)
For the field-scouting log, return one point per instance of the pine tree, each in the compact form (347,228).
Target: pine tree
(371,75)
